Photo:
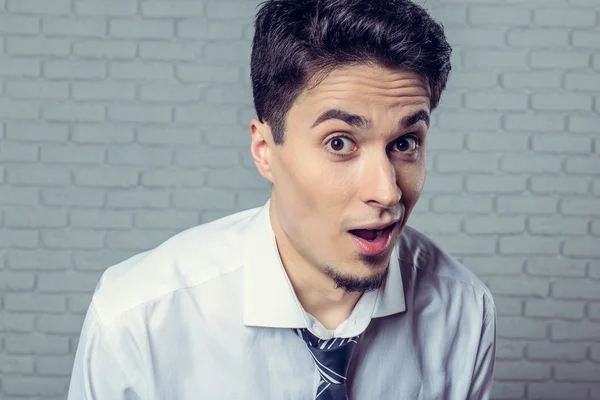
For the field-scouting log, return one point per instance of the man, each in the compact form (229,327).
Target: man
(323,292)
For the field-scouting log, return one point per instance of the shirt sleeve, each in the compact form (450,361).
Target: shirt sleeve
(481,384)
(99,372)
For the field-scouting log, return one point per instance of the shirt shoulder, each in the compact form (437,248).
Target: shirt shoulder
(191,258)
(430,260)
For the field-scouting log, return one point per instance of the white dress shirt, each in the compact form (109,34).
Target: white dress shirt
(208,315)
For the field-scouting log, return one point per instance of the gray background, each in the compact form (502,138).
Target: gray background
(125,121)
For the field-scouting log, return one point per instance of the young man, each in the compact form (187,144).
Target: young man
(323,292)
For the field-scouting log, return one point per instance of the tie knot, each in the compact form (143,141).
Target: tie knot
(332,356)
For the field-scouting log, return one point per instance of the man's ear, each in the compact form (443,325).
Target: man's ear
(261,148)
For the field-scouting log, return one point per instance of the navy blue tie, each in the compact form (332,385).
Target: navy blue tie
(332,358)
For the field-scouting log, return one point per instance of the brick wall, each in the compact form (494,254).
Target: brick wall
(513,190)
(125,121)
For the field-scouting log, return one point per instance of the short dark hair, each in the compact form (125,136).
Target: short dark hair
(295,40)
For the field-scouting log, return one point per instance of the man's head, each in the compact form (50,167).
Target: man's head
(343,91)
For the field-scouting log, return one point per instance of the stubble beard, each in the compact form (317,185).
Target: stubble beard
(353,284)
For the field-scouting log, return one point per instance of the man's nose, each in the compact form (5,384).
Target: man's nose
(379,183)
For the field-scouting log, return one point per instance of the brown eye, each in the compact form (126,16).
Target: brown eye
(407,144)
(340,145)
(337,144)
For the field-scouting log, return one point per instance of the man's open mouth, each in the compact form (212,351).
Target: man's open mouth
(372,235)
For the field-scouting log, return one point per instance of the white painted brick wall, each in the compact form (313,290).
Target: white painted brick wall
(125,121)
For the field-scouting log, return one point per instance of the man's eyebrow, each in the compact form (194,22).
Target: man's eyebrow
(357,121)
(411,120)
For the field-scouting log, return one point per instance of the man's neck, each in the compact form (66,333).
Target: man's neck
(315,290)
(330,309)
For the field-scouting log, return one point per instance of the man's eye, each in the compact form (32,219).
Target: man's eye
(407,144)
(340,145)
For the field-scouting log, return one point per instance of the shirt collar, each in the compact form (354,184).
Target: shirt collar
(269,298)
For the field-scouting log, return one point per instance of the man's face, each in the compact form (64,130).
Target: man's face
(350,170)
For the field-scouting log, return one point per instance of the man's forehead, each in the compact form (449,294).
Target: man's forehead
(353,84)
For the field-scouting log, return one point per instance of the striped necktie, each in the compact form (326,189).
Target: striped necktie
(332,358)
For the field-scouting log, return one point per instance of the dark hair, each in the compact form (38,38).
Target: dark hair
(295,40)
